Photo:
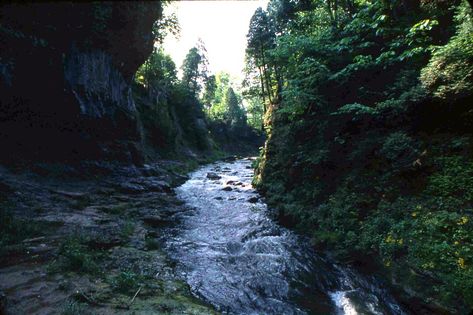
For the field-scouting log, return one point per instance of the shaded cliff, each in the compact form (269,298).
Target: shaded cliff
(65,78)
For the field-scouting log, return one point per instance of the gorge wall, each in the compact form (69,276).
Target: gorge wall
(65,78)
(370,146)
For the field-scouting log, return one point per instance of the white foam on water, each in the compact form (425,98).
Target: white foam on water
(343,303)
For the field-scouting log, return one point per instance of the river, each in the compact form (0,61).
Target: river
(235,257)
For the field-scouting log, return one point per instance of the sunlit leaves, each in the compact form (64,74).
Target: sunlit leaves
(450,70)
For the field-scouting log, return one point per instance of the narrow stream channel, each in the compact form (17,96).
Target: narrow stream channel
(233,255)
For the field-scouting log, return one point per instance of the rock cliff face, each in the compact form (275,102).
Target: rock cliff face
(65,74)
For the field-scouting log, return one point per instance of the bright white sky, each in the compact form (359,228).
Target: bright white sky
(222,25)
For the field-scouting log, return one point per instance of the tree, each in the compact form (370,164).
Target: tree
(190,70)
(158,73)
(235,114)
(195,68)
(166,25)
(260,39)
(209,93)
(254,95)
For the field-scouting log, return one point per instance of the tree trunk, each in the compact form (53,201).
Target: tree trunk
(264,98)
(265,74)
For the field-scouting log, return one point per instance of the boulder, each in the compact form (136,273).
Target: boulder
(155,220)
(227,188)
(131,188)
(105,241)
(230,158)
(157,186)
(253,199)
(213,176)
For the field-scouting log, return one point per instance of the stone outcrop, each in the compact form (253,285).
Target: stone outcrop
(65,74)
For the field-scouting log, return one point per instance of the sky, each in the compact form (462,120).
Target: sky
(222,25)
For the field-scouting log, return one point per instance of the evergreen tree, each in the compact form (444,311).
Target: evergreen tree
(190,70)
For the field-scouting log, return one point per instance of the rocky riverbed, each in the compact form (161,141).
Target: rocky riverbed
(85,240)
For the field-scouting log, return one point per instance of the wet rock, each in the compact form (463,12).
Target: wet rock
(39,249)
(131,188)
(151,170)
(230,158)
(152,233)
(253,199)
(105,241)
(218,198)
(155,220)
(231,182)
(157,186)
(70,194)
(227,188)
(213,176)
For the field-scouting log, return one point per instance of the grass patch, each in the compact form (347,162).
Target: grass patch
(14,230)
(75,308)
(75,256)
(126,282)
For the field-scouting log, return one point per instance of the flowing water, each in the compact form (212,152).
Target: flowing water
(233,255)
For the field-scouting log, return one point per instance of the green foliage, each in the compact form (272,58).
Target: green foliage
(194,68)
(454,178)
(227,117)
(355,110)
(190,70)
(368,108)
(166,25)
(235,115)
(158,72)
(170,111)
(449,74)
(400,149)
